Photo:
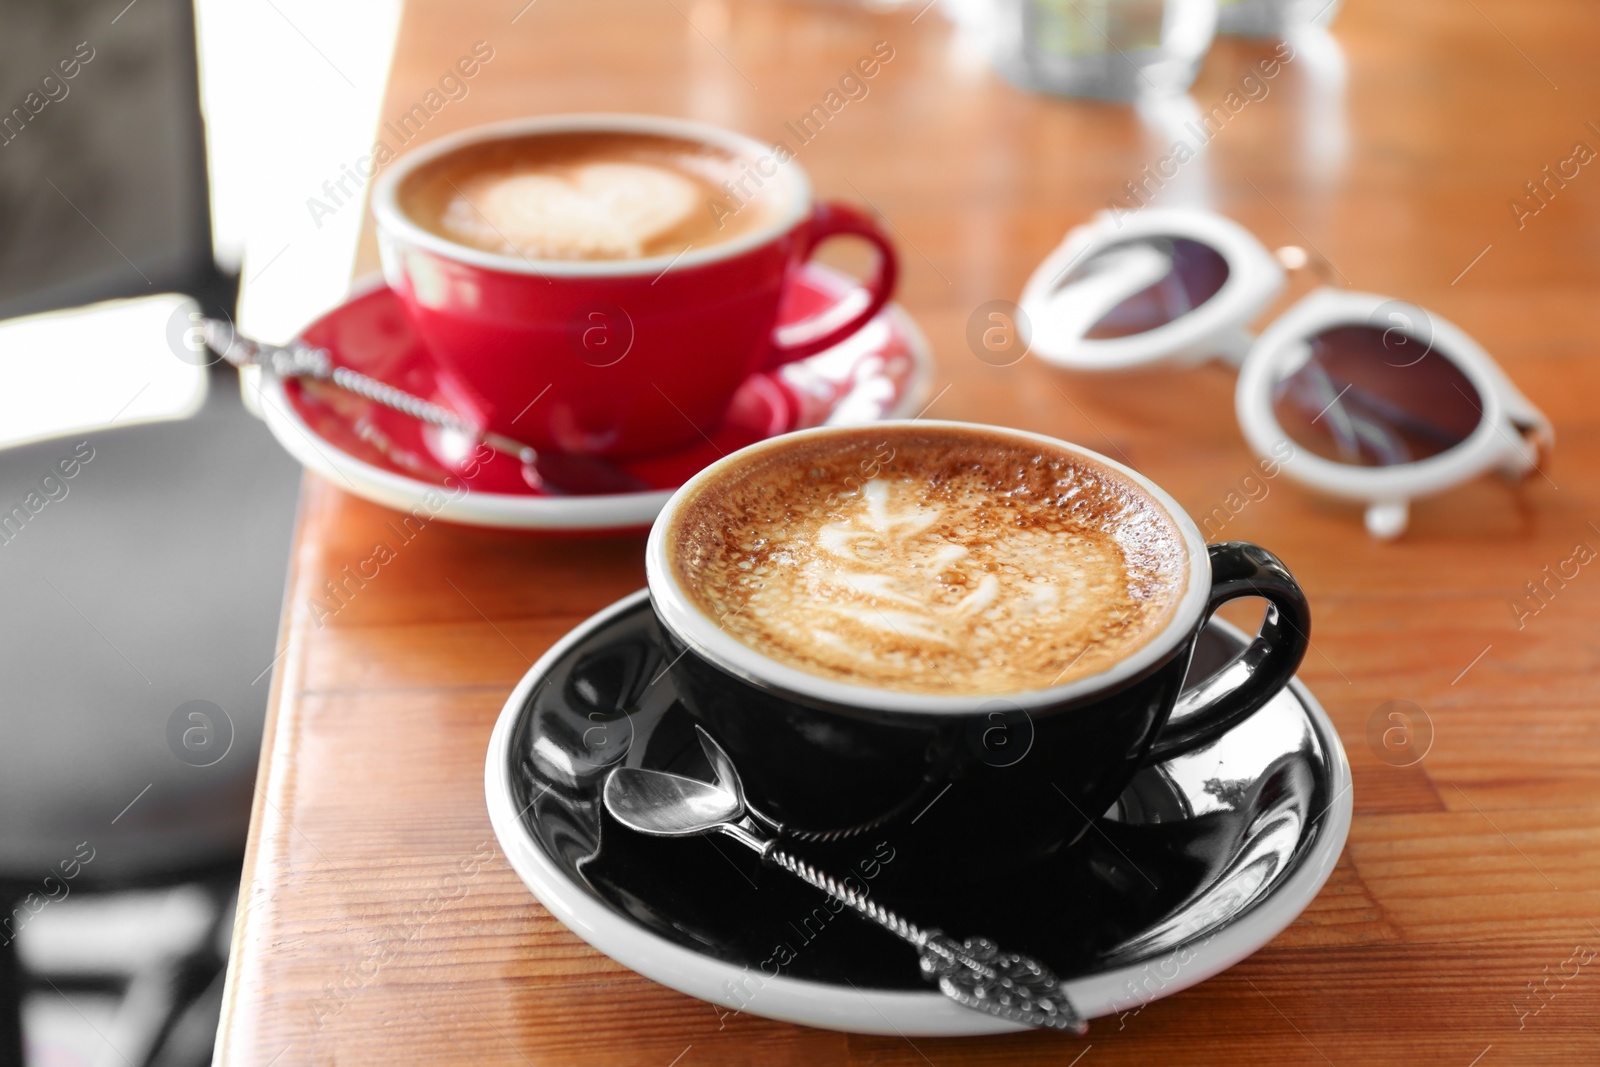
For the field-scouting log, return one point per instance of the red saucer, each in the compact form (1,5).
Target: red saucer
(881,372)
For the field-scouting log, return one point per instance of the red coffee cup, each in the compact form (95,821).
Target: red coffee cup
(619,357)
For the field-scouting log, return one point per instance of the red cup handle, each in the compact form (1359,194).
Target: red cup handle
(798,340)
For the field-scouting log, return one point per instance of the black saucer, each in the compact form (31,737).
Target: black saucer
(1191,850)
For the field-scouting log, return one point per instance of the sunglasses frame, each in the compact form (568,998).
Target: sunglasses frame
(1215,328)
(1512,435)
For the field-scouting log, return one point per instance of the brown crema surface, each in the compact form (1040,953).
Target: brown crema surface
(931,560)
(589,195)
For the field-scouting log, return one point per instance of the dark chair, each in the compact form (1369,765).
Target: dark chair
(154,582)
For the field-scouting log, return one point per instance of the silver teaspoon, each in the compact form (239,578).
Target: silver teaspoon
(556,472)
(975,973)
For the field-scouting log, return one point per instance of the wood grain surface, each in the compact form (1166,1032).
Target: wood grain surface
(1462,924)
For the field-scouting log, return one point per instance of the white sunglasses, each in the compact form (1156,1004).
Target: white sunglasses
(1377,400)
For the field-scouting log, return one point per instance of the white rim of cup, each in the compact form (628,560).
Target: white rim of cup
(704,637)
(393,221)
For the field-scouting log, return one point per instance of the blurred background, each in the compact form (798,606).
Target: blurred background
(147,512)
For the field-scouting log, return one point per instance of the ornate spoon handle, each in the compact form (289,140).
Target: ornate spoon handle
(302,361)
(976,972)
(584,475)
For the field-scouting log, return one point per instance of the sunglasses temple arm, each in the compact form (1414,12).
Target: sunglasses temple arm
(1526,451)
(1533,438)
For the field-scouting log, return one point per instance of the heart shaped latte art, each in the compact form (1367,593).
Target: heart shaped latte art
(589,211)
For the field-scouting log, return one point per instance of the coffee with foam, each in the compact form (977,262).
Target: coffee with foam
(937,560)
(591,195)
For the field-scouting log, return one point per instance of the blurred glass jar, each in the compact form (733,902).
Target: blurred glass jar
(1272,18)
(1106,49)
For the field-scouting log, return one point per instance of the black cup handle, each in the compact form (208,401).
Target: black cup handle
(1209,709)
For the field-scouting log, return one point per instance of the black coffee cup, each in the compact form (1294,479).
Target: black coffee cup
(968,787)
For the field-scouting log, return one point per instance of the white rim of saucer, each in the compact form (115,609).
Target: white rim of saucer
(875,1012)
(715,644)
(393,222)
(617,511)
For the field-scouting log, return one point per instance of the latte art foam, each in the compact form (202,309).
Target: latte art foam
(587,195)
(589,211)
(940,561)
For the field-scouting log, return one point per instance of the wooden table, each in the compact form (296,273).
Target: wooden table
(1462,924)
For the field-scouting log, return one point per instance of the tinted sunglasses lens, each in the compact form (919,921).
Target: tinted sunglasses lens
(1195,273)
(1371,397)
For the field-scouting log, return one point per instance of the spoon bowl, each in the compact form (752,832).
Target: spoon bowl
(668,805)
